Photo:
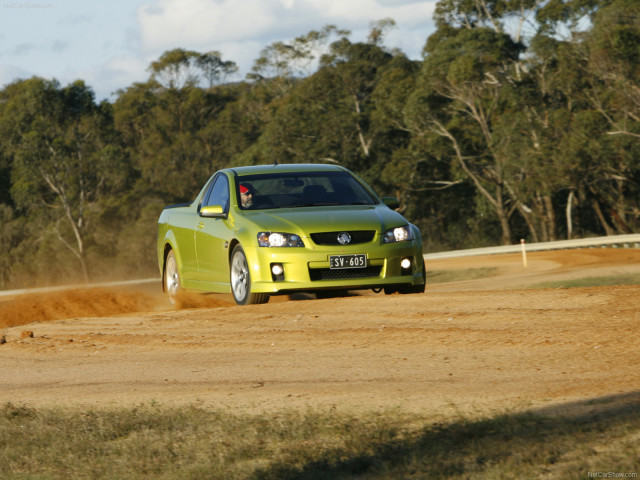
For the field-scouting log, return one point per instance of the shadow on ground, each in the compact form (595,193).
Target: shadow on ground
(564,441)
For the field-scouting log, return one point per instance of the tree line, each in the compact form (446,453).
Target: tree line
(522,120)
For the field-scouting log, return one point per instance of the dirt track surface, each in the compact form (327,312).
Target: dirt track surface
(472,345)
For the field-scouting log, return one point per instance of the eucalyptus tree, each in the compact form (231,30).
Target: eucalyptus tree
(306,125)
(612,63)
(465,88)
(326,97)
(166,121)
(282,63)
(360,73)
(179,68)
(175,69)
(357,68)
(613,58)
(161,130)
(63,158)
(492,88)
(214,70)
(5,177)
(542,125)
(584,120)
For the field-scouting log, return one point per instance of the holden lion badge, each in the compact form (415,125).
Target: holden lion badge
(344,238)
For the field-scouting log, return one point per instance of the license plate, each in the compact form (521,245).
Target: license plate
(348,261)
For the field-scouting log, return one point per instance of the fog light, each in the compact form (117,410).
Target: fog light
(277,272)
(405,263)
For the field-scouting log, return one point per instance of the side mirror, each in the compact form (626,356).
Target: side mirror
(213,211)
(391,202)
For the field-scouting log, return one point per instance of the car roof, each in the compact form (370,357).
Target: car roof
(286,168)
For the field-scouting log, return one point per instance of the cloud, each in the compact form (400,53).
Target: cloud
(362,12)
(111,44)
(59,46)
(11,73)
(24,48)
(398,3)
(240,29)
(167,24)
(118,73)
(76,20)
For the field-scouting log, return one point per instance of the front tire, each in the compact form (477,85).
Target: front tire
(171,277)
(241,280)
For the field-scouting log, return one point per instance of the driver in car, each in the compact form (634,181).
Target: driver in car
(246,195)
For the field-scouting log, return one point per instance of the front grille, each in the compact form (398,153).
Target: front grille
(344,274)
(331,238)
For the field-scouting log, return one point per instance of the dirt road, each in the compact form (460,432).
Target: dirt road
(466,346)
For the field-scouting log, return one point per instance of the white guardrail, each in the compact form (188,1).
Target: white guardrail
(614,241)
(626,241)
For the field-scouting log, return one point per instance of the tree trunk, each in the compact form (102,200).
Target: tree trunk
(525,212)
(497,201)
(503,216)
(622,226)
(570,215)
(76,226)
(506,230)
(550,218)
(603,221)
(363,142)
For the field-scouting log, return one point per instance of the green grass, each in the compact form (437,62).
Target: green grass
(608,281)
(192,442)
(445,276)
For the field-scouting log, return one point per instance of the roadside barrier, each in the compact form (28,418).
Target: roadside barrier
(613,241)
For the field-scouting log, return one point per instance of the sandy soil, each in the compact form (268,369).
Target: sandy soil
(490,344)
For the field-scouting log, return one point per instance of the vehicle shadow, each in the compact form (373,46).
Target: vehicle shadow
(550,441)
(297,296)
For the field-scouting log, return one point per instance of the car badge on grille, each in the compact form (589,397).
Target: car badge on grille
(344,238)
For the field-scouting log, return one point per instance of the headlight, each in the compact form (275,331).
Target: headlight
(277,239)
(398,234)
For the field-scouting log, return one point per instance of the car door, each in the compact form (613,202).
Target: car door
(212,234)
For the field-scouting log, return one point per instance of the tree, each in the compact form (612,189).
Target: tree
(214,69)
(281,63)
(62,159)
(169,122)
(464,89)
(178,69)
(330,115)
(605,101)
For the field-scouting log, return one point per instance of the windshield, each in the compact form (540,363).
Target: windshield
(285,190)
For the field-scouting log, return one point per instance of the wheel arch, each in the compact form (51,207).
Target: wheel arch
(232,245)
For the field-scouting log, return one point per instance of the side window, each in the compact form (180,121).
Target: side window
(219,193)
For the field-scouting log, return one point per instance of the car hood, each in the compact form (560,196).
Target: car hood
(306,220)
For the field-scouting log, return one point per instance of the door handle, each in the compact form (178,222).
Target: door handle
(201,225)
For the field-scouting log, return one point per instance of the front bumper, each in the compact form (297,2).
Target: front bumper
(307,268)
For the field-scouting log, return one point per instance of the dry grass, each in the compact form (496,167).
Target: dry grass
(192,442)
(606,281)
(446,276)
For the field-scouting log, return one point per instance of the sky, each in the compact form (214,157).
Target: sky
(111,43)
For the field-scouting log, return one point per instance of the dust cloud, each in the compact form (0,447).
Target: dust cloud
(94,302)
